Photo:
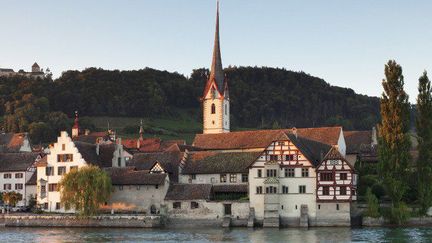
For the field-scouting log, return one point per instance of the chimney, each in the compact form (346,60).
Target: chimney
(374,136)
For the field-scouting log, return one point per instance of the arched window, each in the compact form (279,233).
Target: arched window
(213,109)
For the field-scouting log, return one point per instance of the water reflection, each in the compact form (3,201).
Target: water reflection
(216,235)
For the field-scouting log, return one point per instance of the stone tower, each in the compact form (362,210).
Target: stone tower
(215,99)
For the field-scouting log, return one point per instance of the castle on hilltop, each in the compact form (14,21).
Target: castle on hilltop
(36,72)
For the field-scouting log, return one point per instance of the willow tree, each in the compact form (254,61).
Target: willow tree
(85,189)
(394,143)
(424,132)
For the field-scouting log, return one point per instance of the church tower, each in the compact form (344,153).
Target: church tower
(215,99)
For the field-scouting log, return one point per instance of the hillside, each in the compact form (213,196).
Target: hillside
(261,97)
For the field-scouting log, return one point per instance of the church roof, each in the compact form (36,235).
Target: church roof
(216,70)
(35,65)
(206,162)
(262,138)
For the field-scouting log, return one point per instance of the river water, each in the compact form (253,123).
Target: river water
(216,235)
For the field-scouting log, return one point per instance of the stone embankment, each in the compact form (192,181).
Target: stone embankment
(115,221)
(380,222)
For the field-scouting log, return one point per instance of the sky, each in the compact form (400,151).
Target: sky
(345,42)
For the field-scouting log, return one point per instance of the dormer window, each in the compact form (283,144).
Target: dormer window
(213,109)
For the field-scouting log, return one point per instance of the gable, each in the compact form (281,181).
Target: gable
(157,168)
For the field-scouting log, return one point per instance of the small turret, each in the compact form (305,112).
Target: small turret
(75,128)
(36,68)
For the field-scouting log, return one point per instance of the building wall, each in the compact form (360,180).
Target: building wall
(211,179)
(31,191)
(332,214)
(137,198)
(207,209)
(13,181)
(54,197)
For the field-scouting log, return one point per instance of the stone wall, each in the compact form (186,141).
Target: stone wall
(124,221)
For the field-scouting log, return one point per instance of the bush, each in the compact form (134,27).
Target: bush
(399,214)
(131,129)
(378,190)
(372,204)
(366,181)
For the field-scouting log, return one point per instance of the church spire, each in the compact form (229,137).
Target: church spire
(216,71)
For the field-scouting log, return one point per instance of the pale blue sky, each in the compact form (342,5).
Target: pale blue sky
(345,42)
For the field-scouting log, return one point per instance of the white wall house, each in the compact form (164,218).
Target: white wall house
(66,155)
(16,169)
(283,180)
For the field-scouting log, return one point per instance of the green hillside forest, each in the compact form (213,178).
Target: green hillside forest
(261,97)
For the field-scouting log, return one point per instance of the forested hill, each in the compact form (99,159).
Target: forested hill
(261,97)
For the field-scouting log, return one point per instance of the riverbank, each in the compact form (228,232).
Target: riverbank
(105,221)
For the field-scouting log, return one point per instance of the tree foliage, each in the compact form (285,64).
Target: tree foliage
(394,143)
(11,198)
(424,132)
(372,204)
(85,189)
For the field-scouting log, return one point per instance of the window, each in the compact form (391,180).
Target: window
(45,205)
(63,147)
(289,157)
(157,186)
(61,170)
(319,206)
(271,190)
(259,173)
(64,157)
(7,176)
(121,188)
(233,178)
(353,192)
(284,189)
(43,189)
(7,186)
(119,161)
(245,177)
(73,168)
(49,171)
(194,205)
(271,173)
(326,190)
(259,190)
(193,176)
(176,205)
(343,176)
(213,109)
(52,187)
(327,176)
(302,189)
(337,206)
(18,175)
(342,190)
(57,206)
(273,157)
(226,109)
(289,172)
(223,178)
(19,186)
(305,172)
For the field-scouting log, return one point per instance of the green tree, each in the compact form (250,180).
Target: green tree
(12,198)
(85,189)
(424,132)
(394,143)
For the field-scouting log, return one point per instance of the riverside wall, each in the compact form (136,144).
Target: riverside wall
(114,221)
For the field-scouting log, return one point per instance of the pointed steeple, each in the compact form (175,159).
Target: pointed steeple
(141,131)
(216,70)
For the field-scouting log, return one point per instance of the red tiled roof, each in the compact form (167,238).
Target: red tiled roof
(262,138)
(12,142)
(146,144)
